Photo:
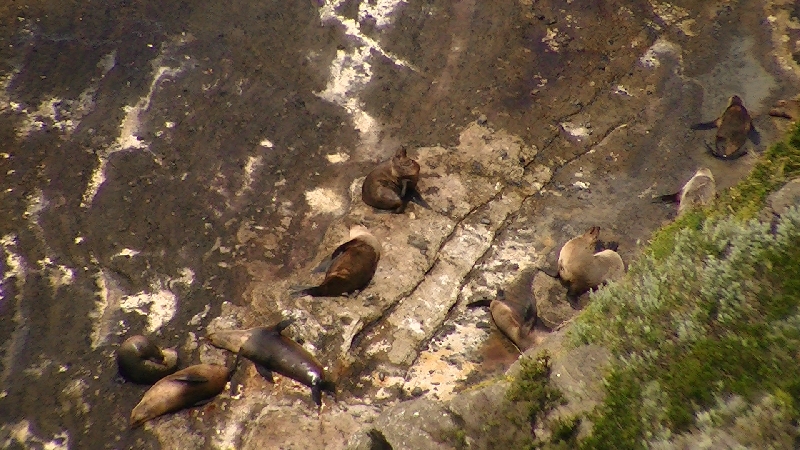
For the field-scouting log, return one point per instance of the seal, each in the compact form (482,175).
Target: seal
(733,129)
(140,360)
(787,109)
(271,351)
(585,263)
(349,268)
(699,191)
(516,325)
(392,184)
(194,385)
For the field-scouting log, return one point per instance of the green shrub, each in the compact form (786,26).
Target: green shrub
(711,311)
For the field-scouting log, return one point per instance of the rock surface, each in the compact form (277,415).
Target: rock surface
(173,168)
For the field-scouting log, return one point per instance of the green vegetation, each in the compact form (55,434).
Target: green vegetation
(706,328)
(515,421)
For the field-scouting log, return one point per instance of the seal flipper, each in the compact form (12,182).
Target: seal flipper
(282,325)
(316,394)
(479,303)
(599,246)
(413,195)
(191,379)
(754,135)
(668,198)
(549,273)
(706,125)
(266,373)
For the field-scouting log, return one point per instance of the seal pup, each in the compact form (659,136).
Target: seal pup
(393,183)
(140,360)
(194,385)
(349,268)
(585,262)
(271,351)
(700,190)
(516,325)
(733,128)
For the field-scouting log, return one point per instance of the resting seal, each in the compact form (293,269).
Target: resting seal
(733,128)
(699,191)
(515,324)
(191,386)
(350,267)
(392,184)
(273,352)
(140,360)
(585,263)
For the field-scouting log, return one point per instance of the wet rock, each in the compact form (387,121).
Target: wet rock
(552,305)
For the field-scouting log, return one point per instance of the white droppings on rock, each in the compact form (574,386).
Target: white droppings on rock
(575,130)
(195,320)
(350,71)
(129,252)
(324,201)
(20,433)
(335,158)
(266,143)
(159,307)
(128,138)
(581,185)
(250,167)
(660,47)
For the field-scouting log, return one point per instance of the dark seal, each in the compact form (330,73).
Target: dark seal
(733,129)
(392,184)
(350,267)
(271,352)
(140,360)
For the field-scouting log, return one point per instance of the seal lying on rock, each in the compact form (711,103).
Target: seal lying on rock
(700,190)
(350,267)
(271,351)
(585,263)
(140,360)
(733,128)
(191,386)
(787,109)
(392,184)
(516,325)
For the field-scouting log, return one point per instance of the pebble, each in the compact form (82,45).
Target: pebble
(486,221)
(482,119)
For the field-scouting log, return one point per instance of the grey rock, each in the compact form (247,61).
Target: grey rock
(550,296)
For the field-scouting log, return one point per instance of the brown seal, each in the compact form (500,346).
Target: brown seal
(585,263)
(191,386)
(271,352)
(350,267)
(392,184)
(140,360)
(787,109)
(514,321)
(699,191)
(733,129)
